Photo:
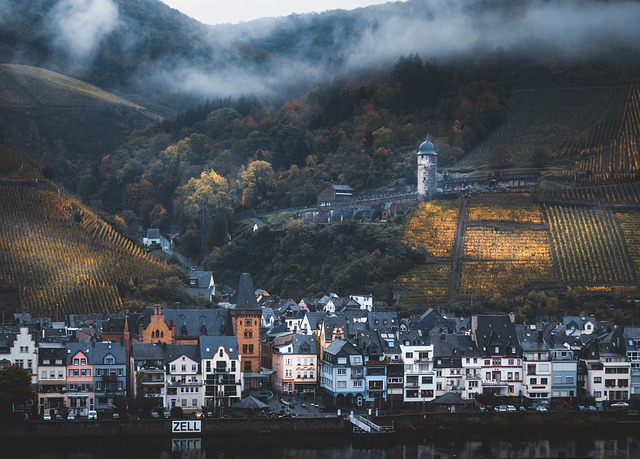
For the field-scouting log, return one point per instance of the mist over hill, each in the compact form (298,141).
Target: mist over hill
(145,47)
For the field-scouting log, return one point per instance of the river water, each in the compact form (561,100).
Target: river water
(323,447)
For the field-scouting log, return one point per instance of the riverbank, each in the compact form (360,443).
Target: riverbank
(471,424)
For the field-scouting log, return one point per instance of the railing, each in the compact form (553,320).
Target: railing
(362,424)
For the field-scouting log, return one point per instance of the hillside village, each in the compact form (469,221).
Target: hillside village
(339,350)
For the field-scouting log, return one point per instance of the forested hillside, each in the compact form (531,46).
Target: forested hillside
(273,111)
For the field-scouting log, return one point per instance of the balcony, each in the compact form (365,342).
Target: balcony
(495,383)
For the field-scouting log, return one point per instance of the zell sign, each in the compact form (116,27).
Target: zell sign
(185,426)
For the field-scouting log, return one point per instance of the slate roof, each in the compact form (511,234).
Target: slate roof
(148,351)
(246,294)
(384,321)
(302,344)
(198,322)
(210,344)
(431,318)
(494,330)
(314,319)
(341,346)
(175,351)
(449,399)
(96,352)
(414,338)
(250,403)
(532,339)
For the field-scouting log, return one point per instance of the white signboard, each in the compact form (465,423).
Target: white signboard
(185,426)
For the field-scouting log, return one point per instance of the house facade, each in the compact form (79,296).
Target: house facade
(221,365)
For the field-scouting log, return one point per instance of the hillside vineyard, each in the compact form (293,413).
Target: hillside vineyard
(61,257)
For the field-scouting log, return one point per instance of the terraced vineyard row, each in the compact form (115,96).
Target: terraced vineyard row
(630,224)
(433,226)
(616,194)
(589,249)
(509,207)
(482,279)
(57,252)
(507,244)
(425,284)
(615,157)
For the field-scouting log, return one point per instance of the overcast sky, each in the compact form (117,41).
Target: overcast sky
(234,11)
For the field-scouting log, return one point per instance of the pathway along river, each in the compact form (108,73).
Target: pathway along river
(337,446)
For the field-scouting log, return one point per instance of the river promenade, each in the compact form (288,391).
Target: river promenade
(454,424)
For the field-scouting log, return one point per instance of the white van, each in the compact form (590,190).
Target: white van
(92,415)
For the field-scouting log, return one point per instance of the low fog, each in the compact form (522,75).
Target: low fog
(264,57)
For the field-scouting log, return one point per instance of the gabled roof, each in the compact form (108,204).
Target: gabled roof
(176,351)
(300,344)
(414,338)
(494,330)
(532,339)
(314,319)
(96,352)
(341,347)
(148,351)
(200,279)
(153,233)
(211,344)
(453,345)
(432,318)
(384,321)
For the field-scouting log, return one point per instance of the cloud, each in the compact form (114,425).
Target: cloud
(79,26)
(570,29)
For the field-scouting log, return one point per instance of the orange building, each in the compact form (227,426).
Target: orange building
(245,317)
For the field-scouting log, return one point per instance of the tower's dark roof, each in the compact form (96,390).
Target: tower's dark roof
(246,296)
(427,148)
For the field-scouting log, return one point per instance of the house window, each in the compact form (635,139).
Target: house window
(409,355)
(356,383)
(342,384)
(342,371)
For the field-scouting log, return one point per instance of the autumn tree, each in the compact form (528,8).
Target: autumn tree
(198,193)
(256,181)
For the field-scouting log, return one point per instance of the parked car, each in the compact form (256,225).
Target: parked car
(155,414)
(199,414)
(71,416)
(592,408)
(59,417)
(115,416)
(93,414)
(542,409)
(46,417)
(501,408)
(620,405)
(511,409)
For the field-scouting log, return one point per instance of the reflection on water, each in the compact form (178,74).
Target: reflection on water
(324,447)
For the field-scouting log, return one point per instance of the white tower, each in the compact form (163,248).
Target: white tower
(427,168)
